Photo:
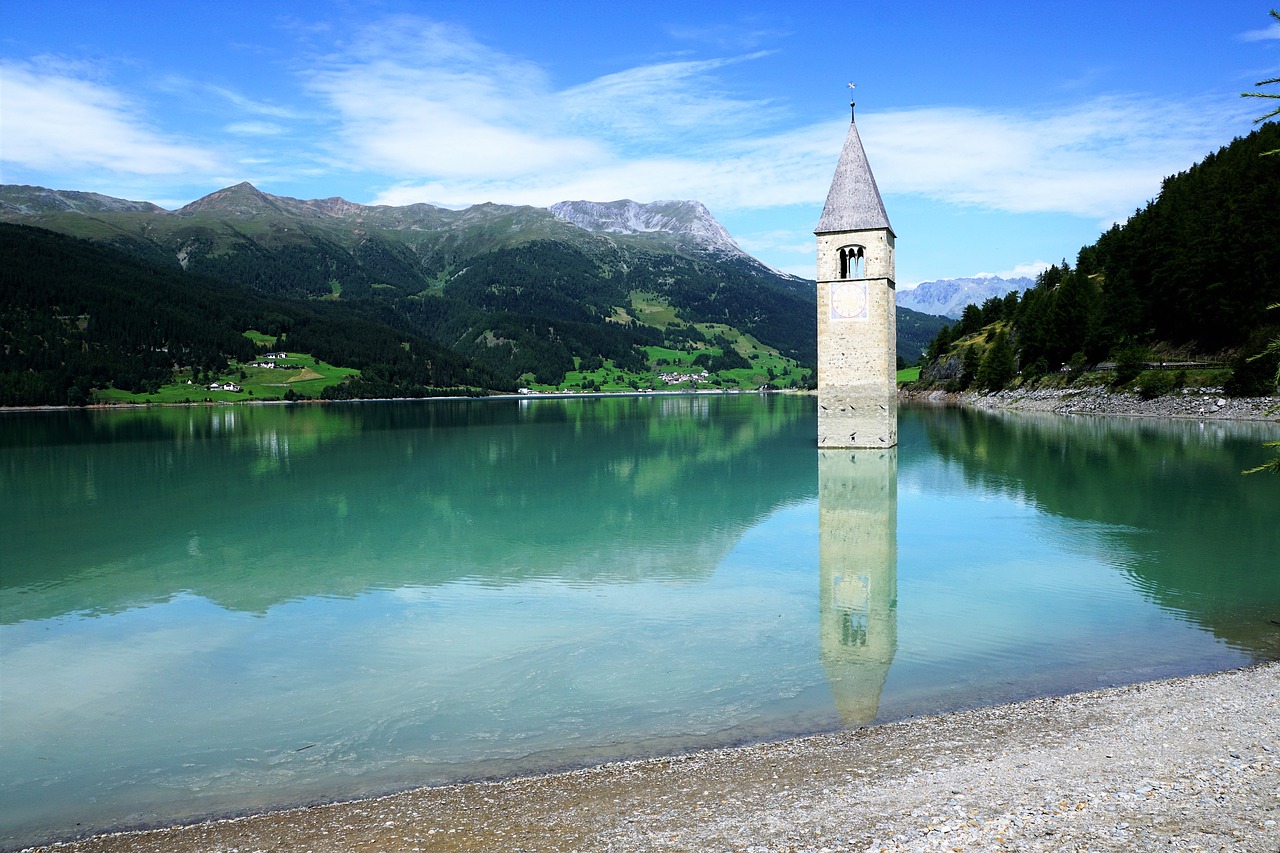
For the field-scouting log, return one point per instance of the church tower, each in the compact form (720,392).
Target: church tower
(857,326)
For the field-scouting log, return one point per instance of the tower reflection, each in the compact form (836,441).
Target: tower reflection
(858,568)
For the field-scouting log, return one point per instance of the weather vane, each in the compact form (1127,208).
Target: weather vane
(851,88)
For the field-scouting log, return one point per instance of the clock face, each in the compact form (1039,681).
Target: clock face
(849,300)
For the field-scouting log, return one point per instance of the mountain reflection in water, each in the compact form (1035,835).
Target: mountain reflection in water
(253,506)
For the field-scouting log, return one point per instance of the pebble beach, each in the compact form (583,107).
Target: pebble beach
(1186,764)
(1099,400)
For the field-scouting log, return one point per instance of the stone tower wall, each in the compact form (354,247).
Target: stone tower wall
(857,364)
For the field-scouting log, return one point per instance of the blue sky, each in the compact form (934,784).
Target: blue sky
(1004,135)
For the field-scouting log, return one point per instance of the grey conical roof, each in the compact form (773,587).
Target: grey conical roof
(853,203)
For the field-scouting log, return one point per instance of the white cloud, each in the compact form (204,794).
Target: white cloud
(464,123)
(1101,159)
(1030,270)
(666,102)
(418,98)
(780,241)
(446,119)
(1098,159)
(743,180)
(743,35)
(461,123)
(248,105)
(57,122)
(254,128)
(1267,33)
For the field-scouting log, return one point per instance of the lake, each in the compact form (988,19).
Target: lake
(205,611)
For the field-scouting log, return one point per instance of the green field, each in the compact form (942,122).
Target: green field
(260,339)
(305,375)
(667,370)
(910,374)
(653,310)
(667,367)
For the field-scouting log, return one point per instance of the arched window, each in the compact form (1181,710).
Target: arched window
(852,262)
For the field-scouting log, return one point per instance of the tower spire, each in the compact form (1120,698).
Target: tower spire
(853,202)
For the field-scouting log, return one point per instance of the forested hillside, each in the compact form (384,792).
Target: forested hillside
(75,317)
(1188,278)
(489,257)
(527,297)
(78,319)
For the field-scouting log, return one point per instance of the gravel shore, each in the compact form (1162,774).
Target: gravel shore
(1187,764)
(1098,400)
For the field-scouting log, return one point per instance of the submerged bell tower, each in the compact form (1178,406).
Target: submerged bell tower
(857,326)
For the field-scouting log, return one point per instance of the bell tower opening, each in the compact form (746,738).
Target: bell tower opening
(852,261)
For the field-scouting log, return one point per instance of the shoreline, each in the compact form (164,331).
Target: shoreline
(1087,400)
(539,395)
(1186,763)
(1098,400)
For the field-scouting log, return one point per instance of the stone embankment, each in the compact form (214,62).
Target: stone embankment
(1098,400)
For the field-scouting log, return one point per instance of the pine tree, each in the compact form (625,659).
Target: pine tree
(997,367)
(1273,81)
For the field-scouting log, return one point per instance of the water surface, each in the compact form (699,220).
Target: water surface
(204,611)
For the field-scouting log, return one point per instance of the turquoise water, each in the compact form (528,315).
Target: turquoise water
(206,611)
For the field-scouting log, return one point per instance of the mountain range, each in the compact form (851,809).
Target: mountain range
(312,248)
(950,296)
(683,226)
(522,294)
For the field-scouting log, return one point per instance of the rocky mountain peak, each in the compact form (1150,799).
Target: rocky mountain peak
(336,206)
(686,220)
(243,199)
(948,297)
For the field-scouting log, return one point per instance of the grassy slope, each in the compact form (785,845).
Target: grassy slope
(651,310)
(306,376)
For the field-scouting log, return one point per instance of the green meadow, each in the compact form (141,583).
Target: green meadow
(301,373)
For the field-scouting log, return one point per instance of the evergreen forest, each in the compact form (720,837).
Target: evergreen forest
(75,317)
